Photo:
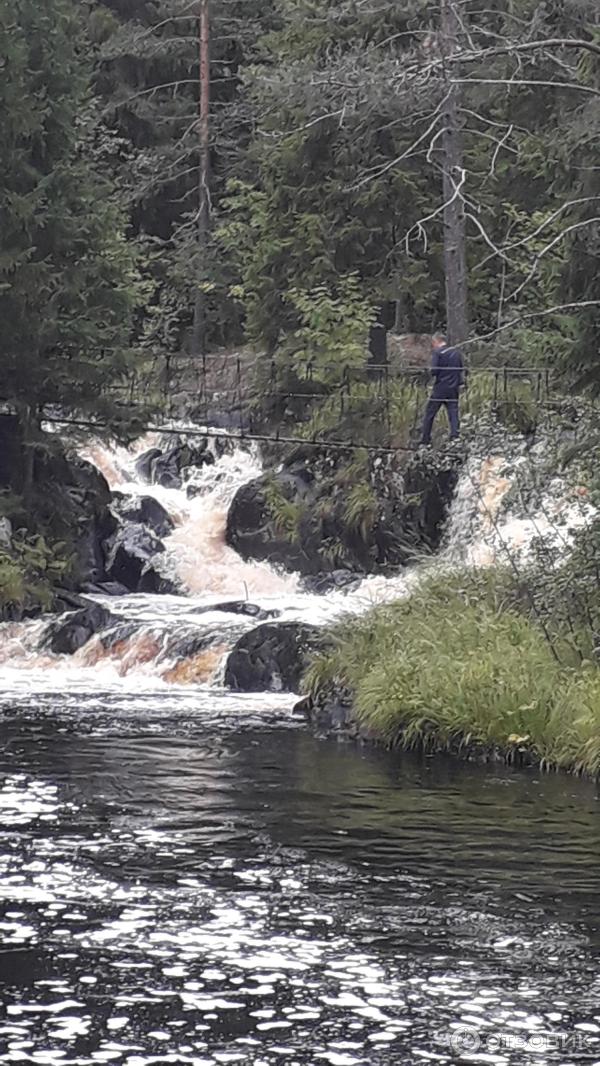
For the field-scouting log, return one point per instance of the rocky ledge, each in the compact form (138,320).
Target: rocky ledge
(321,512)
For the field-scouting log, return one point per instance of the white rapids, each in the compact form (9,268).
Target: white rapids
(482,530)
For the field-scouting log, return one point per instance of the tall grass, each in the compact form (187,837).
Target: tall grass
(448,668)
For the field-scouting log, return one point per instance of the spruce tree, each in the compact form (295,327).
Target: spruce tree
(67,277)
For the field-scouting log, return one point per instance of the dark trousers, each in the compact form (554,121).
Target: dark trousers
(441,397)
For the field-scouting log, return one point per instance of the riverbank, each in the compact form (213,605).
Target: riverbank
(465,666)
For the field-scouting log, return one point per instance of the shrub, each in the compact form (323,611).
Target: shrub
(29,573)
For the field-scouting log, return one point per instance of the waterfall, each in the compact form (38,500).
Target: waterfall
(196,552)
(174,641)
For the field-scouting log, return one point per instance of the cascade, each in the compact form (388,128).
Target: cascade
(170,641)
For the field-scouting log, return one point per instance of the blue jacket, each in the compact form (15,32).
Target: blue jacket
(447,369)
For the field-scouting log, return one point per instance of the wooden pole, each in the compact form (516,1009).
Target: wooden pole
(199,331)
(455,250)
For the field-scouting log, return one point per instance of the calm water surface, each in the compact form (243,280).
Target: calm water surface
(195,880)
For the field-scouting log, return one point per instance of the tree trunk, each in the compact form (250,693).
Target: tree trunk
(399,312)
(199,331)
(26,426)
(455,252)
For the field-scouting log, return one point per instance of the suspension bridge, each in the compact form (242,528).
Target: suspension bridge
(368,406)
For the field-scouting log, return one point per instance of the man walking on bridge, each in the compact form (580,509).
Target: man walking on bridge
(447,370)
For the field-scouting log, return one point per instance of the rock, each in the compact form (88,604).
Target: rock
(251,610)
(415,507)
(143,464)
(338,580)
(166,471)
(130,557)
(5,534)
(75,506)
(74,630)
(252,528)
(106,588)
(320,515)
(329,714)
(71,501)
(66,600)
(272,657)
(145,511)
(169,467)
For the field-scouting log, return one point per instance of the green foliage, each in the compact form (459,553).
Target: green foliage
(286,514)
(29,572)
(457,664)
(67,274)
(333,326)
(361,510)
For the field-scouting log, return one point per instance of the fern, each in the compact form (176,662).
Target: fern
(361,510)
(286,514)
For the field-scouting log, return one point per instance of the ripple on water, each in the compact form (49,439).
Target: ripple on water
(200,894)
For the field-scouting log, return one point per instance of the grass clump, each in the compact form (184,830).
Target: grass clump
(458,664)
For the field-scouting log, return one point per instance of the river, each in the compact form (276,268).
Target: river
(188,877)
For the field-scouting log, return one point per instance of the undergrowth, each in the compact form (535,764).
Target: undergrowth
(29,573)
(459,663)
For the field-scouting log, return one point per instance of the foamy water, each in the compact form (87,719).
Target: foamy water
(176,641)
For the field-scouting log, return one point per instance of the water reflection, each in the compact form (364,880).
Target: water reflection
(176,889)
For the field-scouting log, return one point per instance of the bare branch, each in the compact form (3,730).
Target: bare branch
(548,248)
(577,306)
(509,82)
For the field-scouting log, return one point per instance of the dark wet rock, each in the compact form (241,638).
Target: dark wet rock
(120,631)
(67,600)
(414,511)
(106,588)
(74,630)
(70,500)
(251,610)
(170,466)
(318,515)
(130,559)
(253,529)
(166,470)
(330,713)
(143,464)
(78,499)
(145,511)
(272,657)
(338,580)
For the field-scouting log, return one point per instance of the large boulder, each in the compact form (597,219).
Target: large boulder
(131,555)
(143,464)
(414,506)
(256,531)
(75,505)
(321,512)
(144,511)
(168,465)
(69,501)
(74,630)
(273,657)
